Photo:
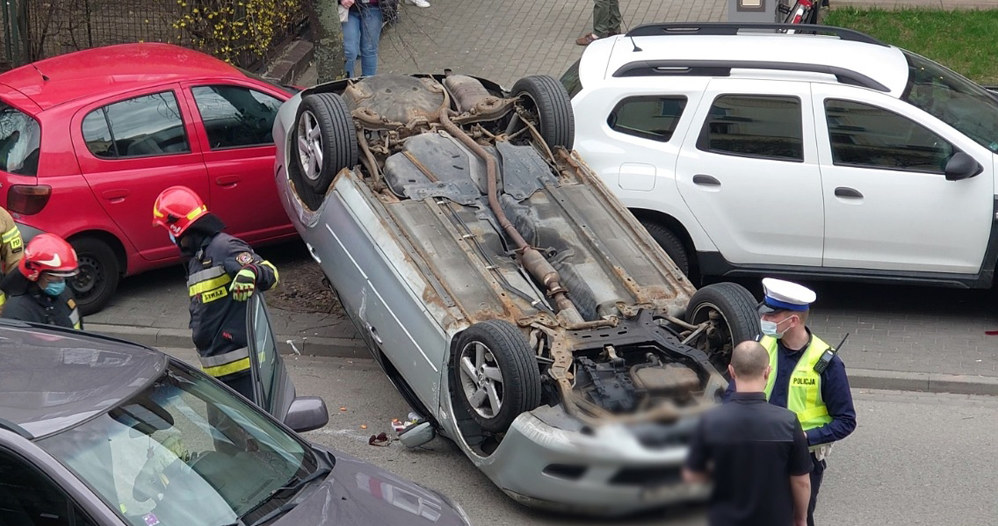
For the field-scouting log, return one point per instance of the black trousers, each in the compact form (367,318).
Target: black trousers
(817,472)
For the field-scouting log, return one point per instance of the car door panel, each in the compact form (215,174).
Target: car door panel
(754,189)
(149,146)
(373,278)
(888,205)
(646,126)
(234,121)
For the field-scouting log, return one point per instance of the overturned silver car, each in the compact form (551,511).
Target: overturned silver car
(511,299)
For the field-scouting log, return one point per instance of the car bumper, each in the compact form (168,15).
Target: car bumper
(607,472)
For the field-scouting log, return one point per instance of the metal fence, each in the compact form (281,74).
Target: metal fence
(35,29)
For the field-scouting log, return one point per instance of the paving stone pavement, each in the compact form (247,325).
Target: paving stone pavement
(899,337)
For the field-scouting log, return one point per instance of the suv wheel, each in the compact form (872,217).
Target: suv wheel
(670,243)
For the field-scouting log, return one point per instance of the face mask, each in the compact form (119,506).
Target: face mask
(172,239)
(55,288)
(772,328)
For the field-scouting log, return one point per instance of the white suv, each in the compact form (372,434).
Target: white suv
(754,149)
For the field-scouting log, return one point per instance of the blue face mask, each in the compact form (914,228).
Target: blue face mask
(772,328)
(172,239)
(55,288)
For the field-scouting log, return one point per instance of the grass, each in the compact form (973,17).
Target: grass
(963,41)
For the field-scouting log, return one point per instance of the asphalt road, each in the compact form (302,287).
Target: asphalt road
(915,458)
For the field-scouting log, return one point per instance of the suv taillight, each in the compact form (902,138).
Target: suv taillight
(28,199)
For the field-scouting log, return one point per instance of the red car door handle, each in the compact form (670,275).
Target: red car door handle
(115,196)
(227,180)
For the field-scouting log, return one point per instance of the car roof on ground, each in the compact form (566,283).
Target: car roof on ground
(886,64)
(108,69)
(53,379)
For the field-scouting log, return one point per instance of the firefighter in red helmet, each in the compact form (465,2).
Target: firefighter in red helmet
(222,273)
(37,291)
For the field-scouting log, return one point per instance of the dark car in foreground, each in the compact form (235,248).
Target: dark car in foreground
(98,431)
(512,300)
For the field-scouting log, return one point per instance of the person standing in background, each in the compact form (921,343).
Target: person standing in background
(606,21)
(361,35)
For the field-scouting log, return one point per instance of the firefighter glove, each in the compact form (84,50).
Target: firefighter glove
(243,285)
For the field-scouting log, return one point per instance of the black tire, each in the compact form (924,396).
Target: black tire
(734,316)
(100,272)
(519,389)
(323,123)
(556,121)
(670,243)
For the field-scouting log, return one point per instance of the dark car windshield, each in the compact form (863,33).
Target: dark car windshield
(184,451)
(953,99)
(19,136)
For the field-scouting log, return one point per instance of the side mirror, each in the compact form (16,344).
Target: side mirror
(961,166)
(307,413)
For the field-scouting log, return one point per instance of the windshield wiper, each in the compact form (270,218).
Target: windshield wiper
(295,486)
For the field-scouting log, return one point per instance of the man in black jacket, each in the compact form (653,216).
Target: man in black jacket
(37,290)
(755,452)
(222,273)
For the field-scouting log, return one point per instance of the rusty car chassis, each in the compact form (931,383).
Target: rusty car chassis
(550,319)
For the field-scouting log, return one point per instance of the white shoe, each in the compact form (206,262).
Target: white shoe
(419,3)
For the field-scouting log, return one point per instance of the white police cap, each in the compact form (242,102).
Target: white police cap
(785,295)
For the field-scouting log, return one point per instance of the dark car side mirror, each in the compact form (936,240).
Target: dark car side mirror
(307,413)
(961,166)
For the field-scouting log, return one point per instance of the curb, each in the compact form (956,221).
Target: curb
(291,61)
(355,348)
(162,338)
(924,382)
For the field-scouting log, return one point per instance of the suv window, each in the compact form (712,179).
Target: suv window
(754,126)
(19,136)
(871,137)
(142,126)
(652,118)
(29,497)
(953,99)
(235,116)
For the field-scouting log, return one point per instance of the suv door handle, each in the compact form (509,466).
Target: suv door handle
(374,333)
(706,180)
(844,191)
(311,252)
(227,180)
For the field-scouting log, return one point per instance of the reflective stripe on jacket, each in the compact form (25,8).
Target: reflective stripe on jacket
(218,323)
(804,393)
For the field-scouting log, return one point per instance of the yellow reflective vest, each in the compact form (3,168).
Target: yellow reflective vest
(804,393)
(11,247)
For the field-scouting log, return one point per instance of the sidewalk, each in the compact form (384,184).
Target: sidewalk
(924,340)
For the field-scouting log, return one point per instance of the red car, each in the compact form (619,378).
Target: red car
(89,139)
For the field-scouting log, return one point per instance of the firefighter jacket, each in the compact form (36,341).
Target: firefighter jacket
(11,247)
(35,305)
(218,323)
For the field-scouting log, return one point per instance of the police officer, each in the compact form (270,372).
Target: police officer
(222,273)
(37,290)
(11,247)
(805,381)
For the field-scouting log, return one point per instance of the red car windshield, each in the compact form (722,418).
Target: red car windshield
(19,134)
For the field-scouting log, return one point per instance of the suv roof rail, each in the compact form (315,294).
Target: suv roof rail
(722,68)
(733,28)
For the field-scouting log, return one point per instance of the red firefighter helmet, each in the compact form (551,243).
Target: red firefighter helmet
(176,208)
(48,253)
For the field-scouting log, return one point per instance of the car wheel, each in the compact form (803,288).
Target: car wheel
(497,375)
(98,277)
(670,243)
(732,315)
(550,101)
(325,140)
